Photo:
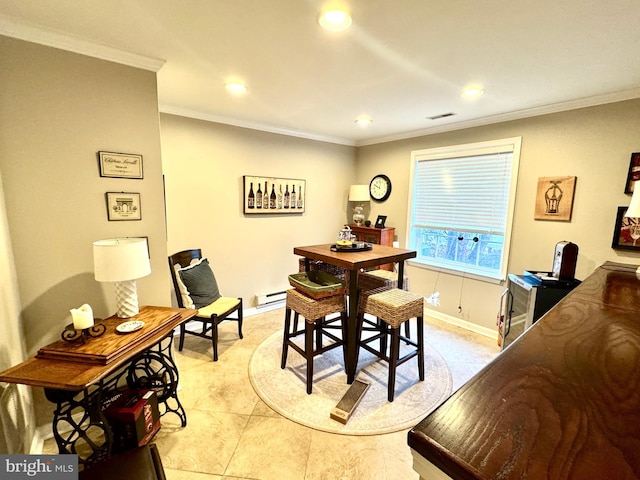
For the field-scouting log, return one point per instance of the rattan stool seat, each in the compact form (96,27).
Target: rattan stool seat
(390,278)
(312,309)
(395,306)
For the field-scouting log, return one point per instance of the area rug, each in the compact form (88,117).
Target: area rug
(284,390)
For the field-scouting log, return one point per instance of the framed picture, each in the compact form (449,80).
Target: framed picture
(268,195)
(123,206)
(554,198)
(120,165)
(380,221)
(634,172)
(626,234)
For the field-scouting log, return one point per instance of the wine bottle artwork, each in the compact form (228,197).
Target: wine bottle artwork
(265,201)
(264,195)
(251,202)
(259,197)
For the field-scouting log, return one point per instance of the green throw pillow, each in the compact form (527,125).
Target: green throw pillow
(200,283)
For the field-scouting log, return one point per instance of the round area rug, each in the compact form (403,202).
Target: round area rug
(284,390)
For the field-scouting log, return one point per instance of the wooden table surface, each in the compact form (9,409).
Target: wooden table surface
(75,374)
(354,261)
(563,401)
(378,255)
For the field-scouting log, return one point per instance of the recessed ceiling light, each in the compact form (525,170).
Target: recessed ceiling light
(237,88)
(334,20)
(472,92)
(364,121)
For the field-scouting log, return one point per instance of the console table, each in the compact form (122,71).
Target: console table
(561,402)
(82,379)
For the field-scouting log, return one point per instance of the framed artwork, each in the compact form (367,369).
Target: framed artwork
(265,195)
(634,172)
(123,206)
(380,221)
(120,165)
(554,198)
(626,233)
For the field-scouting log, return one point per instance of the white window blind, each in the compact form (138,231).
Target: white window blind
(461,206)
(465,193)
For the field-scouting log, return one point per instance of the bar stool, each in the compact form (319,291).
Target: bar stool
(314,312)
(392,308)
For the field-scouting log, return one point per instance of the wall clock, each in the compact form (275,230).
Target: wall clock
(380,188)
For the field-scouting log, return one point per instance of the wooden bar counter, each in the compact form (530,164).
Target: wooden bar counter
(562,402)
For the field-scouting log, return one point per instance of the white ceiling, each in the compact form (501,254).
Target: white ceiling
(401,61)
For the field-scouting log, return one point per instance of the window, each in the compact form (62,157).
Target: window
(461,206)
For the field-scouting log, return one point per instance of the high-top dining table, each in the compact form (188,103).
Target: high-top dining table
(354,262)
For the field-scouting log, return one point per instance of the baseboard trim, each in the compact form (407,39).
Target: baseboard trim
(458,322)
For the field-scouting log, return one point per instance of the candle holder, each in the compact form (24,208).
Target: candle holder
(72,335)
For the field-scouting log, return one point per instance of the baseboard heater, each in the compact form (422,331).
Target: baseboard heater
(268,299)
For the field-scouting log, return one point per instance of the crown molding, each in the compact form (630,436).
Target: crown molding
(182,112)
(51,38)
(613,97)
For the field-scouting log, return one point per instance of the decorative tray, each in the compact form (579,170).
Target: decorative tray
(354,247)
(316,283)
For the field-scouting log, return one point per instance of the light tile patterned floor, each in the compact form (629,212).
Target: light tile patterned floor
(232,434)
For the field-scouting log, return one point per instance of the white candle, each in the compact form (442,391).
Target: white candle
(82,317)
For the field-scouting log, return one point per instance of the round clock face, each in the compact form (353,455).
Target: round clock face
(380,188)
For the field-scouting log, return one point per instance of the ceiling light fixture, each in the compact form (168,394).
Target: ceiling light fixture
(335,20)
(364,121)
(472,92)
(237,88)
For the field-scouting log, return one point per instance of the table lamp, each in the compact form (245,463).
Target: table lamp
(634,212)
(122,260)
(358,193)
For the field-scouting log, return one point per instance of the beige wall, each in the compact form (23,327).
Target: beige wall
(204,164)
(594,144)
(57,109)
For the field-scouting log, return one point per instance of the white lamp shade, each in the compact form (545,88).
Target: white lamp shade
(634,206)
(359,193)
(120,259)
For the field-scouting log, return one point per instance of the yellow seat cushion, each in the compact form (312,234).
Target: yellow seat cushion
(219,307)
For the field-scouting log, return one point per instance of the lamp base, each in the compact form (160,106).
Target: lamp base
(358,216)
(126,299)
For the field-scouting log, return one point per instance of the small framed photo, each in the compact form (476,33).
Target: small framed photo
(634,172)
(120,165)
(626,234)
(380,221)
(123,206)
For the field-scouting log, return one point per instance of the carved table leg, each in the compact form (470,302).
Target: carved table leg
(156,370)
(79,426)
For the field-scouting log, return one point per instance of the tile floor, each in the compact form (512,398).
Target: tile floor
(232,434)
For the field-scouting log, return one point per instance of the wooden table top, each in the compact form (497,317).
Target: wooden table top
(51,368)
(563,401)
(378,255)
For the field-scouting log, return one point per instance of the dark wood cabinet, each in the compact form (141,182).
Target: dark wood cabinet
(380,236)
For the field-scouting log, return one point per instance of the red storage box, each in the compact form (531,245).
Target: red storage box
(134,419)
